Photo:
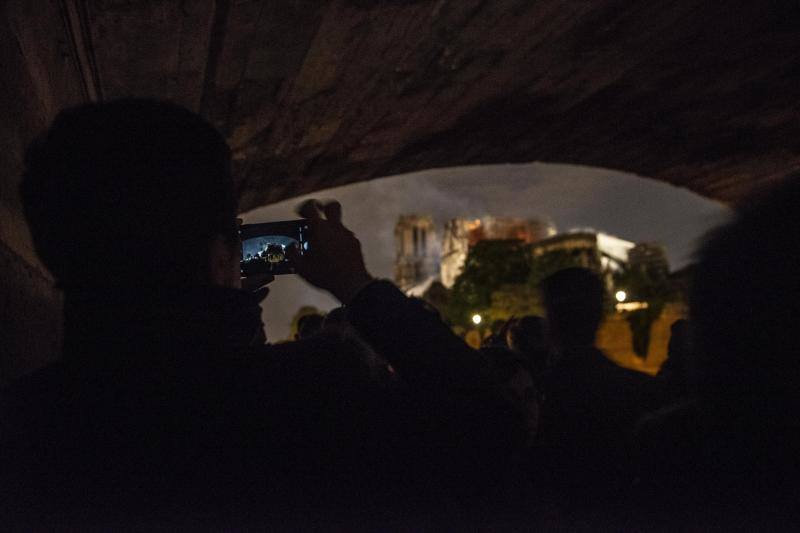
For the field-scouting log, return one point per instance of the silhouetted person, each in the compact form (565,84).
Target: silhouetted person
(729,457)
(497,335)
(335,317)
(674,372)
(308,325)
(526,336)
(166,407)
(591,404)
(514,378)
(494,340)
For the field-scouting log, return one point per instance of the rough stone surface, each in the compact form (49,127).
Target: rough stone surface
(40,75)
(314,94)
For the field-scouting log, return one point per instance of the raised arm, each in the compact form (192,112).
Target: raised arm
(454,420)
(414,340)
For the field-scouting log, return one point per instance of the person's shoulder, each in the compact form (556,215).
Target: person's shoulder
(322,346)
(568,378)
(327,355)
(620,372)
(578,361)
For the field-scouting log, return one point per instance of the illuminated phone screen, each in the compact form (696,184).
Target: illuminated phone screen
(264,246)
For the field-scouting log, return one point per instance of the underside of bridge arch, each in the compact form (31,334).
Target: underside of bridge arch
(313,94)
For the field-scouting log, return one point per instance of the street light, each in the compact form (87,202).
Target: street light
(476,319)
(621,296)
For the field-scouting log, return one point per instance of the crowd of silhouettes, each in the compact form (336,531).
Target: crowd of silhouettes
(167,407)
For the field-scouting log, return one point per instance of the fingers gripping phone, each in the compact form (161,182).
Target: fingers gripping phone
(264,246)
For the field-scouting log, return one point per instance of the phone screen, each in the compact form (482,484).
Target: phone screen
(264,246)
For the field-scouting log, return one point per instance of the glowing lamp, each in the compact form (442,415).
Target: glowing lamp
(620,296)
(476,319)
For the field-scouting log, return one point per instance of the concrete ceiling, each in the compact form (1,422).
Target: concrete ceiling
(312,94)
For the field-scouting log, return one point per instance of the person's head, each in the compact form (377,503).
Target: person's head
(679,340)
(514,378)
(336,318)
(573,300)
(309,325)
(527,336)
(494,340)
(745,299)
(132,192)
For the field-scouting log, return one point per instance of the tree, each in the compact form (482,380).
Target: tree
(515,300)
(490,264)
(551,262)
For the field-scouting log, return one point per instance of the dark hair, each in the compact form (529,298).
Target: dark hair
(128,191)
(335,317)
(308,325)
(528,337)
(679,340)
(573,298)
(745,299)
(527,334)
(503,362)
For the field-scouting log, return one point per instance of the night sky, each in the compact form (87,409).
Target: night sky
(621,204)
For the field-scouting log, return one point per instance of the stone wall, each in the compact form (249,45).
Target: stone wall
(40,75)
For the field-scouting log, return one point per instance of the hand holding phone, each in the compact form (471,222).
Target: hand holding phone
(265,246)
(333,260)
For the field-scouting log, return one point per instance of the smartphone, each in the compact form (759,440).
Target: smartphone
(264,246)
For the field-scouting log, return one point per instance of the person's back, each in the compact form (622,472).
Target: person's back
(727,456)
(591,404)
(674,373)
(161,431)
(526,336)
(123,421)
(590,412)
(166,405)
